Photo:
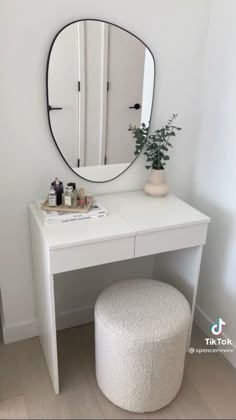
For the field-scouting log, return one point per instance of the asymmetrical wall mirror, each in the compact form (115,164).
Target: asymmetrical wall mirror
(100,79)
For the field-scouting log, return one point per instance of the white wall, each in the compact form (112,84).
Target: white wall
(215,172)
(175,31)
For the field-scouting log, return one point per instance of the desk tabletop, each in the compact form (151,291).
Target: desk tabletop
(129,214)
(145,213)
(79,232)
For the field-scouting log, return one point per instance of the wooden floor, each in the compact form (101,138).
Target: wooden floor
(208,390)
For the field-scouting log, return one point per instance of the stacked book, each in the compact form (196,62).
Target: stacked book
(53,216)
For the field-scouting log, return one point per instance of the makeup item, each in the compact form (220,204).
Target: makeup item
(58,187)
(88,199)
(74,193)
(52,198)
(81,198)
(68,196)
(72,184)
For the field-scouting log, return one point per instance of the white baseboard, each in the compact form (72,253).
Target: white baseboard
(69,319)
(20,331)
(75,317)
(204,322)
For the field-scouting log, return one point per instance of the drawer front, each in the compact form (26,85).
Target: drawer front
(91,254)
(169,240)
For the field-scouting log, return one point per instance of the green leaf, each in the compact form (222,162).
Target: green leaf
(163,147)
(154,145)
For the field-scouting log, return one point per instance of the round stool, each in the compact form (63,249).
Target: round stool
(141,330)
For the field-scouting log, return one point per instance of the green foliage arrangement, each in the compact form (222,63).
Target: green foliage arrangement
(155,145)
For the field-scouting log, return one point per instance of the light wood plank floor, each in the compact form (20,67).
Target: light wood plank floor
(208,390)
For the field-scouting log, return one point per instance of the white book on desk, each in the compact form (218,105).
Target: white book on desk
(53,216)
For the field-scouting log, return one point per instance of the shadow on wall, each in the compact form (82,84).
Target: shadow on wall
(217,255)
(1,333)
(76,291)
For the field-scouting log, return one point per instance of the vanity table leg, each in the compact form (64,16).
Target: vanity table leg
(48,333)
(45,302)
(181,269)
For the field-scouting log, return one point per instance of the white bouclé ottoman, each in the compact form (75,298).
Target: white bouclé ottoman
(141,329)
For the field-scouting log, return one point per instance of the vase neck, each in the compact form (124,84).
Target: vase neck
(157,176)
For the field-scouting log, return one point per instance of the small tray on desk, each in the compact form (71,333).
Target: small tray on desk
(65,209)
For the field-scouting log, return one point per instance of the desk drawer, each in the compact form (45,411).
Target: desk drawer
(91,254)
(170,239)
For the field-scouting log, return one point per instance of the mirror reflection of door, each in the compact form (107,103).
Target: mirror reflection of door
(97,72)
(125,74)
(94,55)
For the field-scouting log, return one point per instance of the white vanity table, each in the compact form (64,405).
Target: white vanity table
(137,225)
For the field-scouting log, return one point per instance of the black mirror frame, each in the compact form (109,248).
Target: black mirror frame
(47,92)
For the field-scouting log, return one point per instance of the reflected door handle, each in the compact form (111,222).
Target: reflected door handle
(136,106)
(53,108)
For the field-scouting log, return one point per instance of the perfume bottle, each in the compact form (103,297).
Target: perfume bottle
(81,198)
(58,187)
(88,199)
(74,193)
(52,198)
(68,196)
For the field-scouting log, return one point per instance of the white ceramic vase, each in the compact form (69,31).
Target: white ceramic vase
(157,186)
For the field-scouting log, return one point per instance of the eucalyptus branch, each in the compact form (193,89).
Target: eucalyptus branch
(155,145)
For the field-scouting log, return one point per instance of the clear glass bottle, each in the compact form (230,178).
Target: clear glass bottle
(52,198)
(74,193)
(81,198)
(68,196)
